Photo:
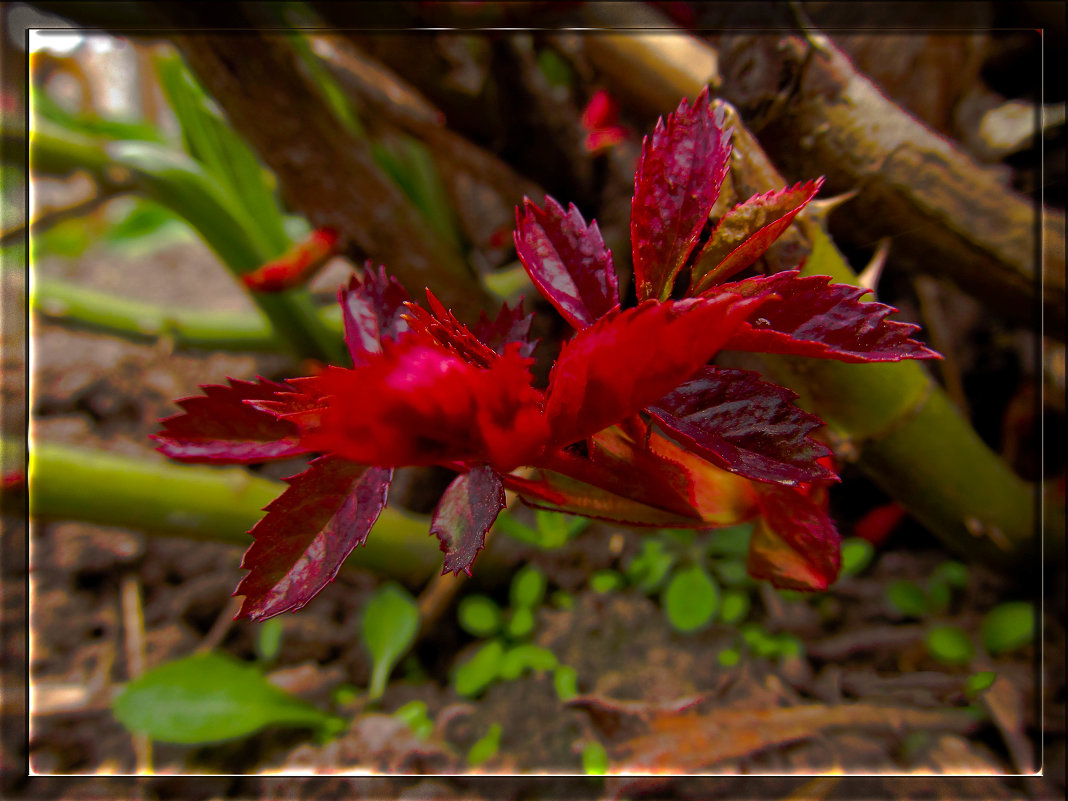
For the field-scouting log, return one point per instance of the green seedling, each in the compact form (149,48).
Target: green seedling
(907,598)
(269,639)
(732,572)
(485,747)
(1008,626)
(594,759)
(345,694)
(528,588)
(562,599)
(690,599)
(759,641)
(647,571)
(520,658)
(388,626)
(552,529)
(857,554)
(480,615)
(565,682)
(414,714)
(520,623)
(977,683)
(729,657)
(606,581)
(949,645)
(734,607)
(480,671)
(209,698)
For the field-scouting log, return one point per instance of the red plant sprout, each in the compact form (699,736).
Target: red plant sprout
(295,266)
(600,120)
(634,426)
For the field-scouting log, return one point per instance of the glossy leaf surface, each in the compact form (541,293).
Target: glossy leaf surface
(683,164)
(308,532)
(464,514)
(567,261)
(220,427)
(745,425)
(372,309)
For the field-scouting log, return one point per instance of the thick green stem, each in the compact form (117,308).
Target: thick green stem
(207,503)
(186,328)
(175,181)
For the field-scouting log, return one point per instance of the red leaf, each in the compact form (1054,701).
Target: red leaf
(679,176)
(813,317)
(745,425)
(510,325)
(372,309)
(220,427)
(880,522)
(441,326)
(419,404)
(567,261)
(464,514)
(747,231)
(296,265)
(794,543)
(627,360)
(308,532)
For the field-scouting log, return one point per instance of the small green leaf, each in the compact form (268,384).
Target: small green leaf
(955,574)
(562,599)
(729,657)
(690,599)
(732,572)
(344,694)
(528,587)
(480,671)
(521,623)
(1009,626)
(269,639)
(978,682)
(486,746)
(939,595)
(389,624)
(759,641)
(523,657)
(554,68)
(415,716)
(647,571)
(788,646)
(734,607)
(556,529)
(605,581)
(565,682)
(207,698)
(907,598)
(594,759)
(857,554)
(733,541)
(479,615)
(949,645)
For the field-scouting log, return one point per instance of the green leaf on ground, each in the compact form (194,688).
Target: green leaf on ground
(691,599)
(479,615)
(388,626)
(1009,626)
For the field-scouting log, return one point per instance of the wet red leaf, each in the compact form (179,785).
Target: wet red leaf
(464,514)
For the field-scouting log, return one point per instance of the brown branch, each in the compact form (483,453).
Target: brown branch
(325,172)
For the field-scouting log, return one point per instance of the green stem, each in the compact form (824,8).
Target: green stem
(137,320)
(178,183)
(206,503)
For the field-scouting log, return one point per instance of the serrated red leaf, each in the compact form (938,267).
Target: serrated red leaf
(221,428)
(464,514)
(679,176)
(372,310)
(745,425)
(441,325)
(567,261)
(510,325)
(747,231)
(417,404)
(813,317)
(794,544)
(627,360)
(308,532)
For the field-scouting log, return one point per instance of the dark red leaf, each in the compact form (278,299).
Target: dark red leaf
(880,522)
(308,532)
(794,543)
(219,427)
(747,231)
(464,514)
(627,360)
(420,404)
(567,261)
(510,325)
(441,325)
(373,309)
(813,317)
(745,425)
(679,176)
(297,265)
